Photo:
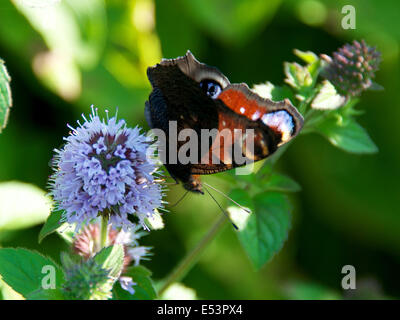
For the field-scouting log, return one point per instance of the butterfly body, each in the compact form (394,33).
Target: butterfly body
(199,97)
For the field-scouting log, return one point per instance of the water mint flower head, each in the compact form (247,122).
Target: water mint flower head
(103,170)
(352,68)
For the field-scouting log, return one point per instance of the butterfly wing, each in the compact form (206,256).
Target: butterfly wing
(177,97)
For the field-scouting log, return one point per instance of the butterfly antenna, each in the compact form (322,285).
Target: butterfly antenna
(220,192)
(166,183)
(181,198)
(223,211)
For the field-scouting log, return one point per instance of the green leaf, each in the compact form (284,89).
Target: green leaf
(307,56)
(141,276)
(327,98)
(265,171)
(67,232)
(280,182)
(23,270)
(267,180)
(347,134)
(112,259)
(53,222)
(5,95)
(263,233)
(312,60)
(144,289)
(275,93)
(46,294)
(22,205)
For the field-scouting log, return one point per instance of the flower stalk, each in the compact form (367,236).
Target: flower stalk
(104,231)
(192,257)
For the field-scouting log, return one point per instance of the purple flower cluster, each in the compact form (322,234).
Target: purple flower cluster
(103,169)
(352,68)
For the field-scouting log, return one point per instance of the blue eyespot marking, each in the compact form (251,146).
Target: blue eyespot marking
(280,120)
(211,88)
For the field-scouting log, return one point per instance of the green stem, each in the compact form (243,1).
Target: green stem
(104,232)
(191,258)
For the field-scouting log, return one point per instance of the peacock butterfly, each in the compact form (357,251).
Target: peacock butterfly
(194,95)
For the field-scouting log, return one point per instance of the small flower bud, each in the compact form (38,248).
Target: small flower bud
(352,68)
(86,280)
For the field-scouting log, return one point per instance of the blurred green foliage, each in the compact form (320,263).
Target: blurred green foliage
(64,56)
(5,95)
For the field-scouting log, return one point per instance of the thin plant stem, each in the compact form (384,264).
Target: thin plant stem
(104,232)
(191,258)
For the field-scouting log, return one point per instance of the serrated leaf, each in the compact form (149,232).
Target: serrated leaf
(22,205)
(141,276)
(327,98)
(347,135)
(144,289)
(266,229)
(52,223)
(112,259)
(5,95)
(23,271)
